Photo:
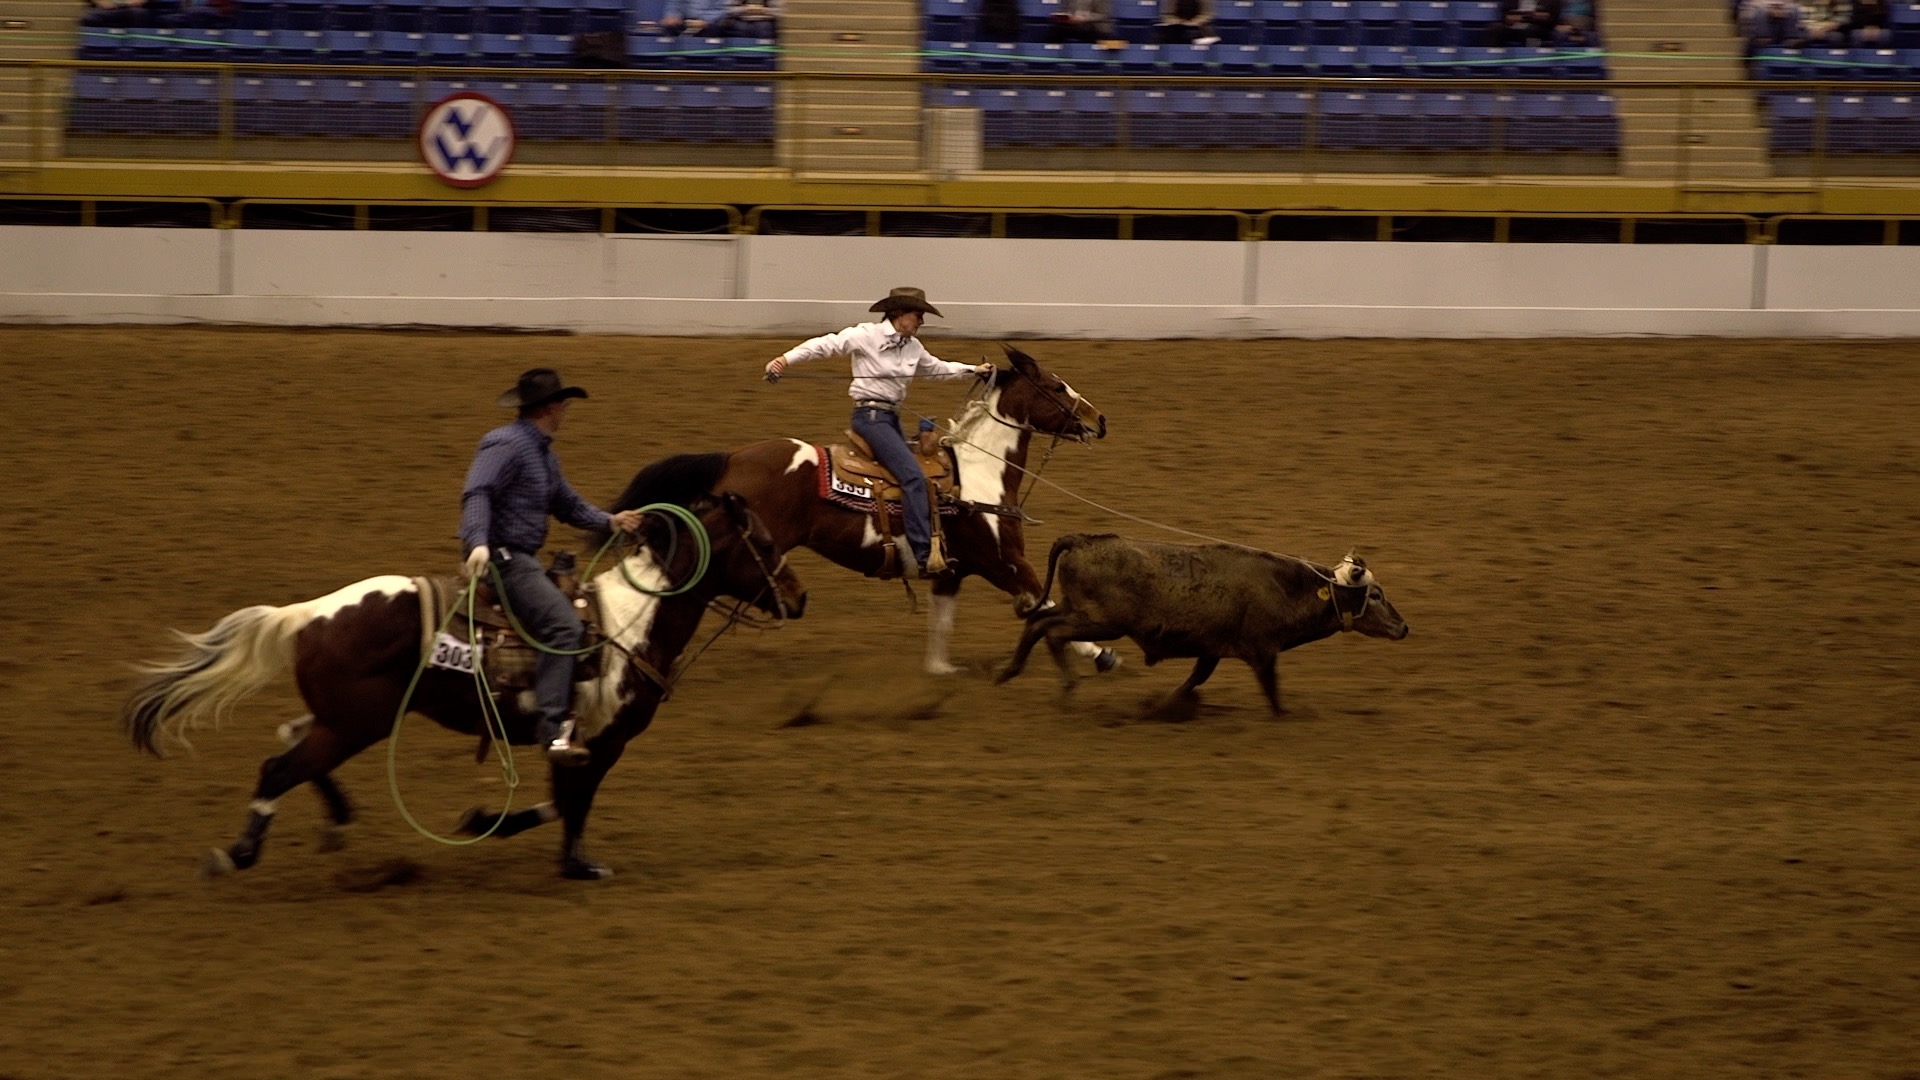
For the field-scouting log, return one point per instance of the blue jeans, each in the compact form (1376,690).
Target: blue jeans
(881,429)
(547,616)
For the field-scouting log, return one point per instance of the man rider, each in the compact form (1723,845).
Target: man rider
(513,486)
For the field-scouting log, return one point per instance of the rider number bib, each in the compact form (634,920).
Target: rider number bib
(451,653)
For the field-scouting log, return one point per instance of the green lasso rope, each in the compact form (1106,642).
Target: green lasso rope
(496,725)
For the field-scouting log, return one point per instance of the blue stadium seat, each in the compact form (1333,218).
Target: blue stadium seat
(1093,117)
(1896,121)
(998,57)
(499,50)
(1286,126)
(544,111)
(1187,59)
(1779,64)
(402,17)
(1241,60)
(557,18)
(194,107)
(1382,22)
(1437,60)
(550,50)
(341,108)
(1458,121)
(102,43)
(254,15)
(949,57)
(448,18)
(1136,13)
(999,116)
(1234,21)
(1284,22)
(648,53)
(1335,61)
(145,102)
(296,46)
(1140,59)
(1535,124)
(1903,18)
(1849,130)
(1332,22)
(1243,117)
(301,15)
(345,46)
(1043,117)
(1346,121)
(752,111)
(448,50)
(395,47)
(1472,17)
(205,45)
(1388,61)
(1595,123)
(1289,61)
(699,109)
(353,15)
(96,106)
(600,16)
(1398,124)
(1430,23)
(501,17)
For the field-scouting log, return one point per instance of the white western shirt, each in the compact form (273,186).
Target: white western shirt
(884,361)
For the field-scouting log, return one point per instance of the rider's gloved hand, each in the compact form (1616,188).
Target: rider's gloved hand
(775,368)
(477,560)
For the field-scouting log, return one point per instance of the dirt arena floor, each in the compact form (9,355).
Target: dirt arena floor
(1637,798)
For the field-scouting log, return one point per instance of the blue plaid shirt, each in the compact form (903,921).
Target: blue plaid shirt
(513,487)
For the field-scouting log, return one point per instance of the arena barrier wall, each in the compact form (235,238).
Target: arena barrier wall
(800,285)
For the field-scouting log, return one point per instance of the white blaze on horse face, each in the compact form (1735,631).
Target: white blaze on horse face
(803,454)
(627,616)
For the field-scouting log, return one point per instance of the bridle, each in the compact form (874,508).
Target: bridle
(1066,405)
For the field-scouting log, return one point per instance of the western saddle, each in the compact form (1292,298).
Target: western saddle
(856,474)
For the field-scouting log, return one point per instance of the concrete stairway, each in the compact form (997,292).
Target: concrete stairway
(850,126)
(33,30)
(1711,133)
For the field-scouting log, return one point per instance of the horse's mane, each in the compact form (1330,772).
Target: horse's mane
(683,480)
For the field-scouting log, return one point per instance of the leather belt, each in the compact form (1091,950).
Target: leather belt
(876,403)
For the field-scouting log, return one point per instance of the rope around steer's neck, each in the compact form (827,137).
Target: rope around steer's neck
(494,723)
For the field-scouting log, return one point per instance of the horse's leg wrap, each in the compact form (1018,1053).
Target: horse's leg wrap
(244,852)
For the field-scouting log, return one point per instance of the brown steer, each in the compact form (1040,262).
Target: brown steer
(1209,601)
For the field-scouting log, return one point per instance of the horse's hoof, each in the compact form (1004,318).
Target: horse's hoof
(217,864)
(1106,660)
(475,821)
(1004,676)
(584,870)
(941,667)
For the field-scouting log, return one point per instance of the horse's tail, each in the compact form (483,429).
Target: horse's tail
(238,656)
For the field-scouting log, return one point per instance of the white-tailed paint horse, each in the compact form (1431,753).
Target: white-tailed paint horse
(355,651)
(987,537)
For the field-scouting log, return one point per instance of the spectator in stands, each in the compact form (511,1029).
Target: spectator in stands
(200,13)
(1766,24)
(751,19)
(694,18)
(1576,23)
(1082,20)
(1186,22)
(999,20)
(1823,21)
(125,12)
(1866,25)
(1526,22)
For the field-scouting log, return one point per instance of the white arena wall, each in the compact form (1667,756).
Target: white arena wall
(800,285)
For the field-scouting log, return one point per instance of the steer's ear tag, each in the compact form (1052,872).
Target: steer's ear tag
(1325,593)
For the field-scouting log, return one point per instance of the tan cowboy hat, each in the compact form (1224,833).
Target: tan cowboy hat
(537,387)
(905,298)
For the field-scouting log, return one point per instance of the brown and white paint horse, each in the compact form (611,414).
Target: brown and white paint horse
(355,651)
(990,444)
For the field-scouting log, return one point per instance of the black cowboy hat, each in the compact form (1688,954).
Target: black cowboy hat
(905,298)
(537,387)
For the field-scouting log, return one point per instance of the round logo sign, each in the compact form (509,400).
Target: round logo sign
(466,139)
